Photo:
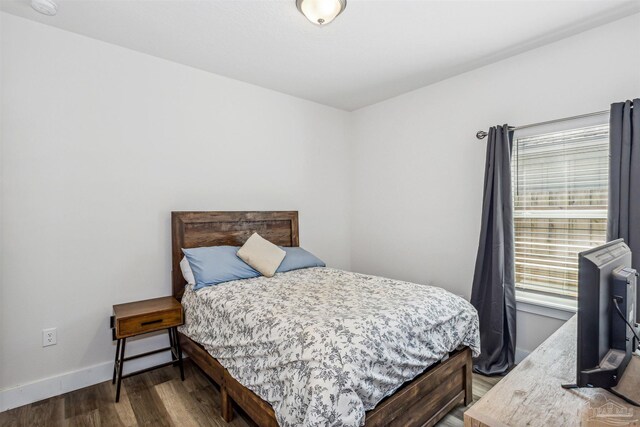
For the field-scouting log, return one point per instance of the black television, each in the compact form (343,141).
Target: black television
(606,314)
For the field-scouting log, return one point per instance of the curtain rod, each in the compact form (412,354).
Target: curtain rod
(482,134)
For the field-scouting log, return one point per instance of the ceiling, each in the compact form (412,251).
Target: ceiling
(375,50)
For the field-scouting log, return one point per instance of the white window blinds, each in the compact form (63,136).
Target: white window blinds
(560,190)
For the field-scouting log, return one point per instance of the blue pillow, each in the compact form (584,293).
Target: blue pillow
(298,258)
(217,264)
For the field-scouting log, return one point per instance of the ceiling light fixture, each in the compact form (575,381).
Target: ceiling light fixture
(46,7)
(321,12)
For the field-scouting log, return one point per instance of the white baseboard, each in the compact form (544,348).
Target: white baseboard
(24,394)
(521,354)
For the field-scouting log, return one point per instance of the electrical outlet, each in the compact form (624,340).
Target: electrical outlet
(49,337)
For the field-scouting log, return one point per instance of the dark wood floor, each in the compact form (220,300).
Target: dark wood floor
(157,398)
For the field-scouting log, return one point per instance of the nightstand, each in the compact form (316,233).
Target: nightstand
(141,317)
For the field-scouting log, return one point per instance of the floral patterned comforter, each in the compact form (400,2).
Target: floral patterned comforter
(323,346)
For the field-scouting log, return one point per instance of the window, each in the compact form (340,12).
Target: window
(560,190)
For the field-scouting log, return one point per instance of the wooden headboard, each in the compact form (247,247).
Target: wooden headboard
(196,229)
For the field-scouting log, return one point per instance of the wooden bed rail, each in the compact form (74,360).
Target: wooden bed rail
(421,402)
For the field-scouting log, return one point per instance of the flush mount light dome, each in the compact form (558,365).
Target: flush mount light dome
(321,12)
(46,7)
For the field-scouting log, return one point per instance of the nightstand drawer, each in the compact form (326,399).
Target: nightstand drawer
(148,323)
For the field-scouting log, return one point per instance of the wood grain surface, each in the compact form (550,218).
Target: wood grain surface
(531,395)
(150,315)
(157,398)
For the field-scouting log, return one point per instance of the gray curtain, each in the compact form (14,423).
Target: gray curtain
(493,293)
(624,177)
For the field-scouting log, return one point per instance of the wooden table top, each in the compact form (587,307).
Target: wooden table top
(140,308)
(531,394)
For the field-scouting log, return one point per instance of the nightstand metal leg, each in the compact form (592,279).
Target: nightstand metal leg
(115,363)
(120,365)
(174,348)
(179,351)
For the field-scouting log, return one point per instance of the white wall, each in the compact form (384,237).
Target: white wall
(99,145)
(418,168)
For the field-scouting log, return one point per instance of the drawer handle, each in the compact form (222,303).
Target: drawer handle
(151,322)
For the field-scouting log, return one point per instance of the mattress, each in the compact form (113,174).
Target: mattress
(323,346)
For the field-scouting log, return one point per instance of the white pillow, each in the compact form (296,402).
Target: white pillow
(187,273)
(261,254)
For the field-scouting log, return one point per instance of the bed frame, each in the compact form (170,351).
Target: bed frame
(420,402)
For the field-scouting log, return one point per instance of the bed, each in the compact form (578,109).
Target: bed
(423,400)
